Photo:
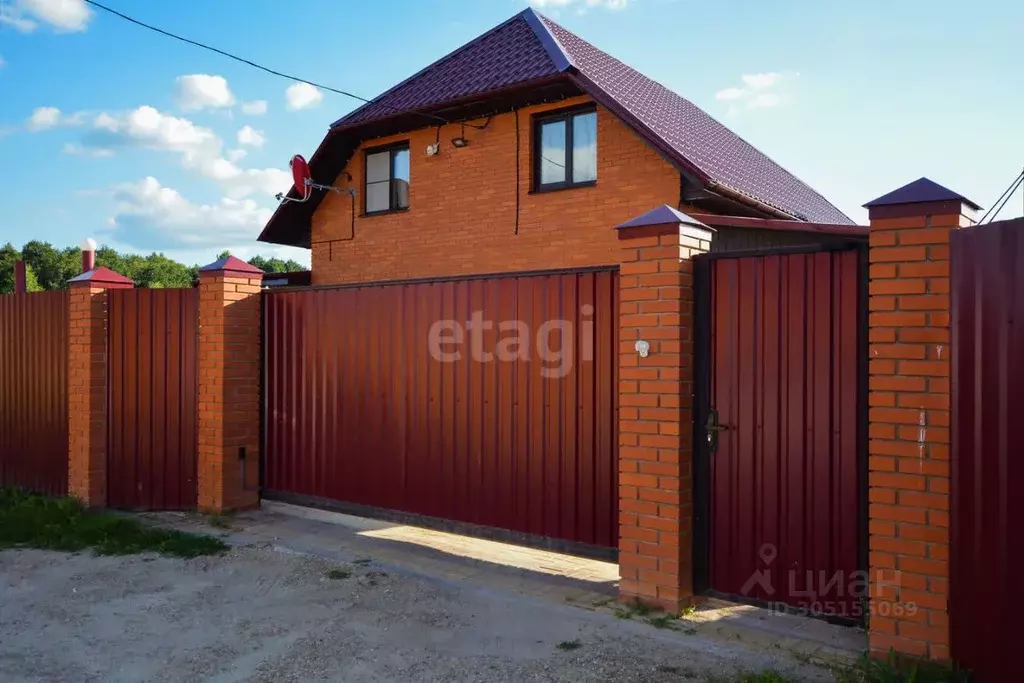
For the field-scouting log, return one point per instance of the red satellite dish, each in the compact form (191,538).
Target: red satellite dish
(301,176)
(304,184)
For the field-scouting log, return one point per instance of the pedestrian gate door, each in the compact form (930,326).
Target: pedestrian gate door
(780,474)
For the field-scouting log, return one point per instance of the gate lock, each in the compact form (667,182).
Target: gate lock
(712,427)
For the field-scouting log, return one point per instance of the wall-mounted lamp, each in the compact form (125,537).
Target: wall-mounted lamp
(460,141)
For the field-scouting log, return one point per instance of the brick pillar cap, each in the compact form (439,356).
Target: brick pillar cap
(100,276)
(231,266)
(920,191)
(662,215)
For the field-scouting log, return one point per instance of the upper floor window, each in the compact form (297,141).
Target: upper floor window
(387,179)
(565,149)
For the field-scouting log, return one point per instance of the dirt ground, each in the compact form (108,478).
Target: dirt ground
(262,613)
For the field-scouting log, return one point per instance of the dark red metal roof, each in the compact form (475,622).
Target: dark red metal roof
(506,55)
(921,190)
(530,49)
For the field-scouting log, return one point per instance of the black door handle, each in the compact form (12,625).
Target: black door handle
(712,427)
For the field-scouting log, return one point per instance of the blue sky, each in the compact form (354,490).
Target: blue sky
(111,131)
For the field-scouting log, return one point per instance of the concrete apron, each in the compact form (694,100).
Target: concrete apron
(490,565)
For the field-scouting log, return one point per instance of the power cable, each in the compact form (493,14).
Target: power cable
(998,205)
(255,65)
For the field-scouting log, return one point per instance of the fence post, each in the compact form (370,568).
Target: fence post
(909,416)
(87,383)
(656,405)
(229,385)
(20,277)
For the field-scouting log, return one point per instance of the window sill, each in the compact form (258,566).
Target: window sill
(560,188)
(372,214)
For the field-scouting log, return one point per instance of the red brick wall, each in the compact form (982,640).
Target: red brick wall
(87,395)
(909,450)
(229,390)
(462,214)
(656,415)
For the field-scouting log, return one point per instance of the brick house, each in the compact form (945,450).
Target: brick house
(529,177)
(453,171)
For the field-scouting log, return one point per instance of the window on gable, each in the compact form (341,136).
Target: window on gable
(387,179)
(565,149)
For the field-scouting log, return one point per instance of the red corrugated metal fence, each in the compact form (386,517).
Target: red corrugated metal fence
(360,410)
(152,398)
(987,552)
(786,380)
(33,391)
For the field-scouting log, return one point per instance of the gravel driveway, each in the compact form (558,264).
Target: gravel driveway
(264,614)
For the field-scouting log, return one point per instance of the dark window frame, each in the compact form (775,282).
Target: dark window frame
(393,148)
(539,120)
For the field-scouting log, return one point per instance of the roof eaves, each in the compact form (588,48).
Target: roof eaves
(558,54)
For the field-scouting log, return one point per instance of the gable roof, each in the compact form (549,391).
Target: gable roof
(921,190)
(530,49)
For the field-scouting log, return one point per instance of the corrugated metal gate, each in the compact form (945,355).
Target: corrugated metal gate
(33,391)
(986,505)
(152,397)
(373,399)
(780,494)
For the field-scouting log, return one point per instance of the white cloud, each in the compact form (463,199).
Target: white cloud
(202,91)
(43,118)
(607,4)
(78,150)
(765,100)
(150,216)
(236,154)
(730,94)
(2,62)
(200,149)
(759,91)
(250,137)
(255,108)
(61,15)
(759,81)
(302,96)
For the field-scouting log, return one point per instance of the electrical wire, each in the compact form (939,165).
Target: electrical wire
(998,205)
(268,70)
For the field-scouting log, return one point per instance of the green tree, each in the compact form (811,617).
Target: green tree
(8,256)
(52,267)
(274,265)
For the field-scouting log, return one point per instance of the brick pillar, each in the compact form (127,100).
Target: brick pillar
(87,383)
(656,406)
(229,385)
(909,417)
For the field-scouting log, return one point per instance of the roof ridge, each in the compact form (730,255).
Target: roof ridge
(739,137)
(524,15)
(560,57)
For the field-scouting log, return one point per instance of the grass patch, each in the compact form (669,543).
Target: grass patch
(569,645)
(763,677)
(31,521)
(895,669)
(621,613)
(662,620)
(339,573)
(218,521)
(689,611)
